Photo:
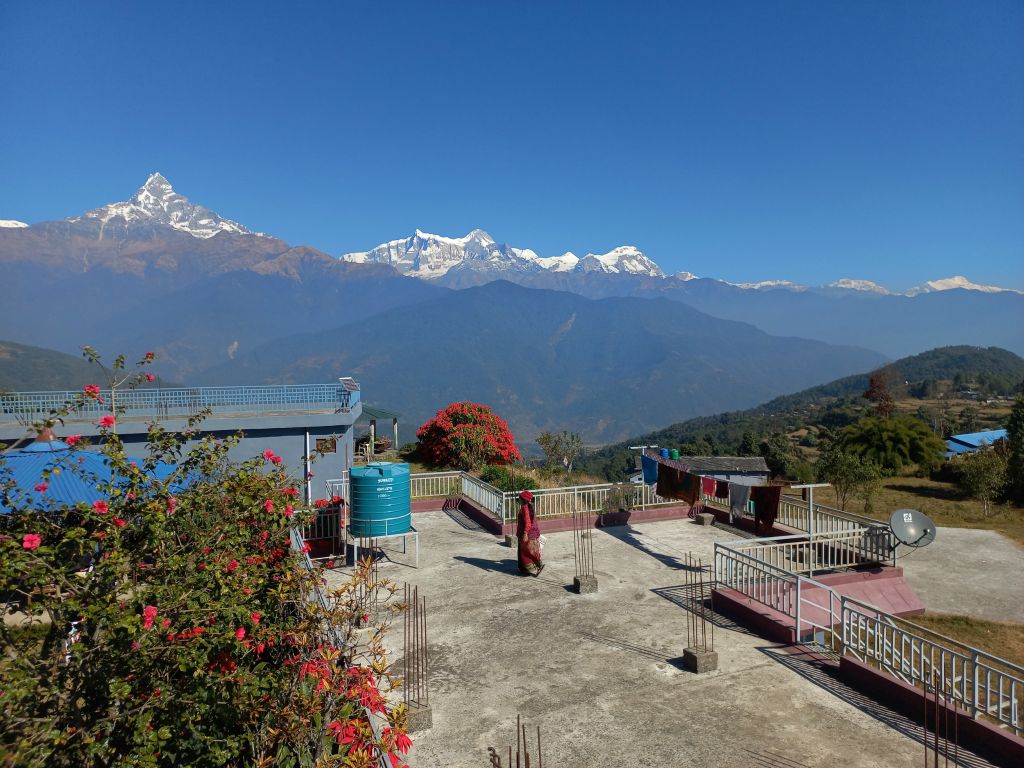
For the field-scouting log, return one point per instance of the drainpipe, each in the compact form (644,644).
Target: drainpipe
(309,482)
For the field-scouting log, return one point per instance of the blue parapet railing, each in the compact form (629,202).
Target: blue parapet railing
(184,401)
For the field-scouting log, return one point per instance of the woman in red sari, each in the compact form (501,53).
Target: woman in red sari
(528,534)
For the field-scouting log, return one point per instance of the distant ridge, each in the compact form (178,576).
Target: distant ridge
(791,412)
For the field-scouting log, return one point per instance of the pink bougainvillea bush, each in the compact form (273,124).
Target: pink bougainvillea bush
(467,435)
(171,624)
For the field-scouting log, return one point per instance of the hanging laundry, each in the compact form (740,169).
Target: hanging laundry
(650,468)
(668,481)
(707,485)
(739,495)
(689,487)
(721,489)
(766,505)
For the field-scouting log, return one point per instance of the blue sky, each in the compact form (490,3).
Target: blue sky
(741,140)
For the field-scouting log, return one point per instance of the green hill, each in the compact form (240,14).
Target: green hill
(29,369)
(927,385)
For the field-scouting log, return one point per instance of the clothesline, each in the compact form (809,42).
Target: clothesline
(674,480)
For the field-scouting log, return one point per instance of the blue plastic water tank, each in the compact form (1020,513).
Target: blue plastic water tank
(664,453)
(380,500)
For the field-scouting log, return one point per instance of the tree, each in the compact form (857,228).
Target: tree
(879,391)
(893,444)
(467,435)
(983,474)
(169,622)
(1015,449)
(783,459)
(561,449)
(846,471)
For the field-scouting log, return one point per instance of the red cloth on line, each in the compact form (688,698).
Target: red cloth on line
(707,485)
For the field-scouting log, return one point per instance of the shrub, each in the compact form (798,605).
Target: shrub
(171,625)
(466,435)
(893,444)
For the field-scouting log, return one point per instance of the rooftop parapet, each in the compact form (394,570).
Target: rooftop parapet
(183,402)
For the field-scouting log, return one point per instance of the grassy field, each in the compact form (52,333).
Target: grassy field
(945,503)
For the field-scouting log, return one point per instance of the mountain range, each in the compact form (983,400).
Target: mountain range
(612,341)
(451,259)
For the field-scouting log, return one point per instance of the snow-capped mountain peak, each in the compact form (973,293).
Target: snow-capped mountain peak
(868,286)
(431,256)
(957,281)
(12,224)
(156,203)
(788,285)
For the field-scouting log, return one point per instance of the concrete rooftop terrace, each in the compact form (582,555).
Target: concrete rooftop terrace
(599,673)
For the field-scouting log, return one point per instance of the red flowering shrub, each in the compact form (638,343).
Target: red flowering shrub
(466,435)
(171,625)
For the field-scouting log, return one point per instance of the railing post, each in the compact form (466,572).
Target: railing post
(974,675)
(796,634)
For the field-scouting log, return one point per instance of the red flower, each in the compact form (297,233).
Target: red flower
(31,541)
(148,614)
(268,455)
(306,547)
(106,421)
(240,633)
(268,505)
(288,510)
(92,391)
(72,439)
(172,504)
(42,487)
(292,491)
(165,623)
(150,357)
(403,742)
(330,563)
(231,567)
(150,377)
(118,522)
(255,616)
(101,506)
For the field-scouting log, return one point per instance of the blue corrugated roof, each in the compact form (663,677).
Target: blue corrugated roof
(978,439)
(74,475)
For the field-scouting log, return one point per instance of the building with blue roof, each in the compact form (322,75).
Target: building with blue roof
(958,445)
(294,420)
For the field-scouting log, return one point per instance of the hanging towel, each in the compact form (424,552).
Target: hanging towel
(721,489)
(766,504)
(707,485)
(689,487)
(650,468)
(739,495)
(668,481)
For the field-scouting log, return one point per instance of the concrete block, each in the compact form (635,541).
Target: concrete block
(420,718)
(511,541)
(584,585)
(699,660)
(705,518)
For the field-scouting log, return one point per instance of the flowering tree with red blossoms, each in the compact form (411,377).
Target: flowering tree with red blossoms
(171,623)
(466,435)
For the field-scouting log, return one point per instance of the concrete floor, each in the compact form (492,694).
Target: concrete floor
(597,672)
(968,571)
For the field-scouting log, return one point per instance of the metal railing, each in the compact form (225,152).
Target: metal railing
(828,551)
(334,636)
(562,502)
(428,485)
(980,682)
(162,403)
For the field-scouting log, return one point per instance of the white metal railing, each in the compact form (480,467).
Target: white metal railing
(334,636)
(425,485)
(328,524)
(560,502)
(798,554)
(980,682)
(484,495)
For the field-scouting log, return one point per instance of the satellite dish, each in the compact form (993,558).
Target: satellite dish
(913,528)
